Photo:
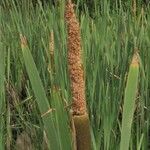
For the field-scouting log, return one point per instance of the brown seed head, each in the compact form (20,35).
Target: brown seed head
(74,61)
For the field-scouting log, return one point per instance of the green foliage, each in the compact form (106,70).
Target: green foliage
(108,39)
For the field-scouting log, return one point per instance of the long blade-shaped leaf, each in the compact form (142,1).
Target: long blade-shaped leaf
(2,96)
(62,122)
(40,95)
(129,103)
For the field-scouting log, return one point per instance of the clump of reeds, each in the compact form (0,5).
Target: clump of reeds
(76,73)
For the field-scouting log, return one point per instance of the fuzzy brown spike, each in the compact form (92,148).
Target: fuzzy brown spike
(74,61)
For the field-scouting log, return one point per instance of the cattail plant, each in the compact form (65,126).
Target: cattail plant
(76,73)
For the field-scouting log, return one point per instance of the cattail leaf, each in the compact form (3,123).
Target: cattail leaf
(62,121)
(129,103)
(40,95)
(2,96)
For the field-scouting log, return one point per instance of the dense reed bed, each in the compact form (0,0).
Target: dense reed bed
(36,98)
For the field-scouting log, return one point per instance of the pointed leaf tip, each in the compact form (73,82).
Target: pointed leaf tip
(135,60)
(23,41)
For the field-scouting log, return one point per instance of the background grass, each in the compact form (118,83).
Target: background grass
(108,39)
